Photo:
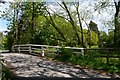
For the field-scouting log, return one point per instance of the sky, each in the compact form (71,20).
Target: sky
(96,18)
(3,23)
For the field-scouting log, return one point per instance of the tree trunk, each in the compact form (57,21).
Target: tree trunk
(51,21)
(32,21)
(80,23)
(116,22)
(74,27)
(16,13)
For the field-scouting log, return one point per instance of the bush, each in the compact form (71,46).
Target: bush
(65,54)
(7,73)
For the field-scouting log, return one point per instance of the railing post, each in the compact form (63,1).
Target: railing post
(108,57)
(82,51)
(43,54)
(30,51)
(118,51)
(18,48)
(13,49)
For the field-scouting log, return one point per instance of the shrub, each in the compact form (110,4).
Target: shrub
(7,73)
(65,54)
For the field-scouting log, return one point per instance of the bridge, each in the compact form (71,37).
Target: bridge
(25,65)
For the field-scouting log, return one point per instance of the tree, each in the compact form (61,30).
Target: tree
(93,27)
(51,21)
(74,25)
(106,5)
(103,41)
(47,34)
(62,26)
(80,25)
(30,11)
(117,24)
(106,40)
(1,36)
(2,1)
(68,16)
(110,41)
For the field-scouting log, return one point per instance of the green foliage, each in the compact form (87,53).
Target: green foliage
(65,54)
(1,36)
(7,42)
(107,40)
(94,39)
(110,42)
(7,73)
(93,34)
(90,38)
(45,33)
(103,39)
(35,26)
(93,27)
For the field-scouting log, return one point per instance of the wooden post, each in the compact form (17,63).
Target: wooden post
(118,51)
(82,51)
(43,54)
(108,57)
(13,49)
(18,48)
(30,51)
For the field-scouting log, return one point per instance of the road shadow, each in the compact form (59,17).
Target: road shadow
(33,66)
(67,69)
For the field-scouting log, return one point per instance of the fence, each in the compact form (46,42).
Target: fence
(42,48)
(103,52)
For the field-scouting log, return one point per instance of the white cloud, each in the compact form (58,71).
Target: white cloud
(2,29)
(9,0)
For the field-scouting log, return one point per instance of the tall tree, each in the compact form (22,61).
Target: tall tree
(106,5)
(32,10)
(73,23)
(117,24)
(1,36)
(80,24)
(93,27)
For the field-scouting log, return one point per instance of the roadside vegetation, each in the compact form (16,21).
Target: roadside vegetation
(91,60)
(6,73)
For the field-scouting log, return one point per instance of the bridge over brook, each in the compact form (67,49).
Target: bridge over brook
(25,65)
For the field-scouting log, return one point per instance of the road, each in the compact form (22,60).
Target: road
(25,65)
